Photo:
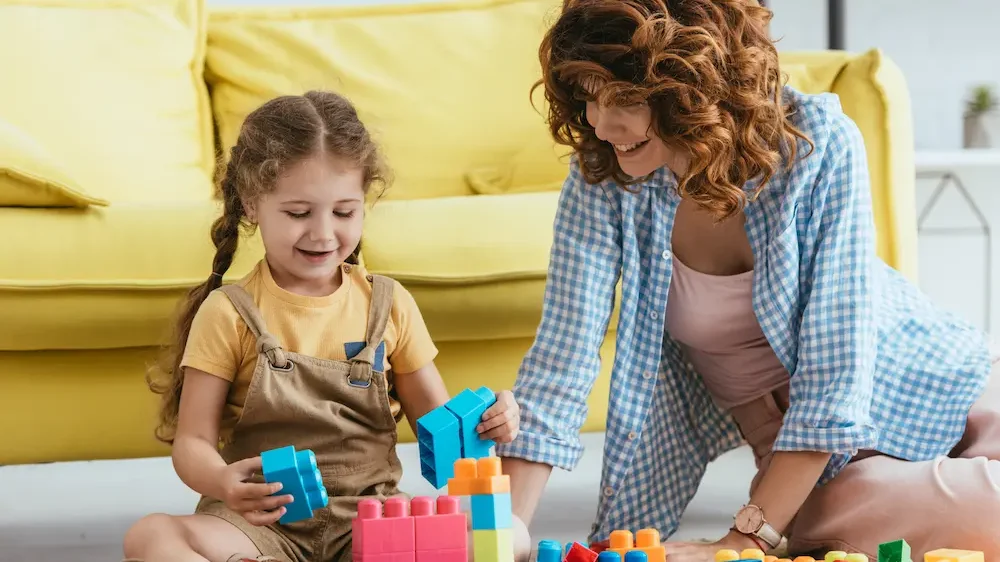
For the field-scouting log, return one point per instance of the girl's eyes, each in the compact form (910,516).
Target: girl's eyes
(341,214)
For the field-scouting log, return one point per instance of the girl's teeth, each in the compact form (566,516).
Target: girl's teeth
(626,147)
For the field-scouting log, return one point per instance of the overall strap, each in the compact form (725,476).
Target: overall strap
(248,311)
(378,317)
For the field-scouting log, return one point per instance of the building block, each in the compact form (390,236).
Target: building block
(299,476)
(895,551)
(648,542)
(461,555)
(440,445)
(856,557)
(579,553)
(621,542)
(469,406)
(835,555)
(548,551)
(805,559)
(752,554)
(953,555)
(636,556)
(608,556)
(493,545)
(444,529)
(379,529)
(491,511)
(726,555)
(474,477)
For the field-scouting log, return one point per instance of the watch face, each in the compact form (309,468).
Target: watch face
(749,519)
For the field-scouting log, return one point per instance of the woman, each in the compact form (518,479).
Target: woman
(736,213)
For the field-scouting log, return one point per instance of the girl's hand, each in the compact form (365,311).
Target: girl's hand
(252,500)
(500,422)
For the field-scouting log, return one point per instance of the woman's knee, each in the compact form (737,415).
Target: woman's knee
(146,532)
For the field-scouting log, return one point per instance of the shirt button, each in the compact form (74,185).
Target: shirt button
(609,491)
(666,254)
(653,315)
(631,435)
(647,375)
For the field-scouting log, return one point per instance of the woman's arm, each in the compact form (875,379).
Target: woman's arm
(195,454)
(788,481)
(559,370)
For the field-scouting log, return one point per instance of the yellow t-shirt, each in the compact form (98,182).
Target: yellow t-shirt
(221,344)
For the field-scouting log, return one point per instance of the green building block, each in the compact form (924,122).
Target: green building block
(895,551)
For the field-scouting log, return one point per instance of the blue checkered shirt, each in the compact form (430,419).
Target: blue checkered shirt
(873,364)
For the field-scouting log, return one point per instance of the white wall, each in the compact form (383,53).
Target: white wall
(943,48)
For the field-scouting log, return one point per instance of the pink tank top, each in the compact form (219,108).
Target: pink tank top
(712,317)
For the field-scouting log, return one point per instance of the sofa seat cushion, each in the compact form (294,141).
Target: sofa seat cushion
(476,265)
(103,277)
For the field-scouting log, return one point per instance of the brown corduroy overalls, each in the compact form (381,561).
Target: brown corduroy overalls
(338,409)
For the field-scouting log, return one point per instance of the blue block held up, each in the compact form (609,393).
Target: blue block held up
(469,406)
(440,446)
(300,477)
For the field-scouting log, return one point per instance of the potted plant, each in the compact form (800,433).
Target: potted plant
(982,119)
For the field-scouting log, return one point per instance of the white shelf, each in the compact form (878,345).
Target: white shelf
(960,158)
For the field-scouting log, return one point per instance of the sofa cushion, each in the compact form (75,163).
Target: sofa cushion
(103,276)
(30,176)
(444,85)
(114,90)
(476,265)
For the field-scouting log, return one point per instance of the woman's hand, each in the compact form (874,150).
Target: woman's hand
(705,552)
(522,541)
(501,421)
(252,500)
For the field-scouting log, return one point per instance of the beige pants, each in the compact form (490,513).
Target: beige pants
(949,502)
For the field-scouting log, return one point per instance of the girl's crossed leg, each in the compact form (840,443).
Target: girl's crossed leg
(186,538)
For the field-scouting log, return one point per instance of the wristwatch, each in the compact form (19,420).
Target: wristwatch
(749,520)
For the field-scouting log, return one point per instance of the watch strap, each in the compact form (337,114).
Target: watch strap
(769,535)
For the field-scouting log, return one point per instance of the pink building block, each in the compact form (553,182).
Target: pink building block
(440,536)
(383,535)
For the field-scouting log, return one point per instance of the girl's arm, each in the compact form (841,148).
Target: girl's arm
(195,455)
(420,392)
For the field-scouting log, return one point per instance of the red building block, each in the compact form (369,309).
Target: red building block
(442,531)
(378,533)
(580,553)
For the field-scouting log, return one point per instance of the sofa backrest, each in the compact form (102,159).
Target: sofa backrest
(445,86)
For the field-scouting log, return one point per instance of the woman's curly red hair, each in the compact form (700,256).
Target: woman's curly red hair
(708,71)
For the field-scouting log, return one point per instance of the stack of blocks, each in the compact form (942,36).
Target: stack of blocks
(414,532)
(492,517)
(299,476)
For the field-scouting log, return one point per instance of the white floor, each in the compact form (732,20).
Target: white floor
(79,511)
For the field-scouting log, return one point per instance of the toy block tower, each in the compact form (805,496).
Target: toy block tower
(647,541)
(492,516)
(448,433)
(299,476)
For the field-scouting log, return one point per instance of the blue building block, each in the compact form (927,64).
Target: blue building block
(469,407)
(491,511)
(636,556)
(608,556)
(549,551)
(300,477)
(440,445)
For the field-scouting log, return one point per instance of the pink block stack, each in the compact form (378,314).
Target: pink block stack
(414,532)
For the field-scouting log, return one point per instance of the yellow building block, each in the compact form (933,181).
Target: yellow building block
(835,555)
(856,557)
(953,555)
(493,545)
(726,555)
(752,554)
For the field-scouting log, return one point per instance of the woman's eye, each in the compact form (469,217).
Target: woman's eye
(297,215)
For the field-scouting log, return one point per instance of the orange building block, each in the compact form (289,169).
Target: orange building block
(478,477)
(804,559)
(648,541)
(621,542)
(953,555)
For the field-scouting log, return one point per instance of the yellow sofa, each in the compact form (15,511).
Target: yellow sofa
(112,115)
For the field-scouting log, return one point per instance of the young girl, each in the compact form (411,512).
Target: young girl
(308,349)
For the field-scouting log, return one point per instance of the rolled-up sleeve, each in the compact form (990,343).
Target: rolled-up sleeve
(831,386)
(558,372)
